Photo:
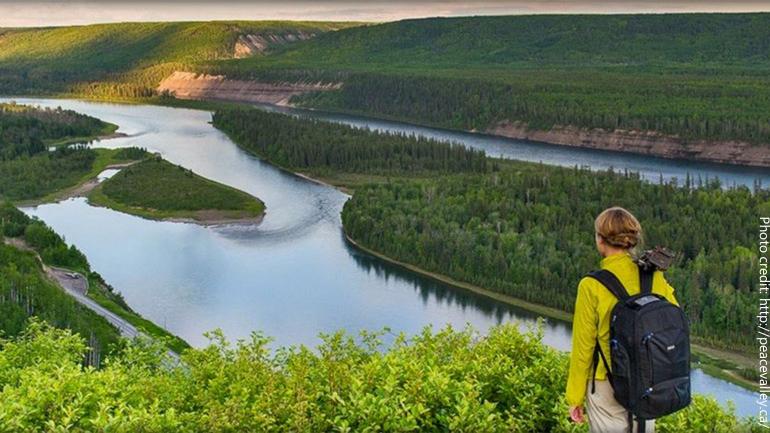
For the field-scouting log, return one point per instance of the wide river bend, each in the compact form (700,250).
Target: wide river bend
(294,275)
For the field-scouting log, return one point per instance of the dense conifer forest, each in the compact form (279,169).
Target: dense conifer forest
(300,144)
(527,230)
(687,104)
(27,168)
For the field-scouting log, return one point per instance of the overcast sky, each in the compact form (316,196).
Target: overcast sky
(17,13)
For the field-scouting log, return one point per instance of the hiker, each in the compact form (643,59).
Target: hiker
(618,233)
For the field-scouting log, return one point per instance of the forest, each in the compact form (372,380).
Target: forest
(690,105)
(435,381)
(698,76)
(300,144)
(25,291)
(155,188)
(26,130)
(526,230)
(32,177)
(27,168)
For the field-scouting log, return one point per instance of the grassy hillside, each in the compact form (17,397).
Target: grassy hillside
(127,59)
(572,40)
(157,189)
(700,76)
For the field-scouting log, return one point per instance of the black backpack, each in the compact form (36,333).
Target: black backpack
(649,350)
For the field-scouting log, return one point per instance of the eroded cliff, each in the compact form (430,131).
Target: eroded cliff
(189,85)
(642,142)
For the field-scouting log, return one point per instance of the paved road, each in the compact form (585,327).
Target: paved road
(76,285)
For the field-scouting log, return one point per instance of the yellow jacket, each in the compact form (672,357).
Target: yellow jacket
(592,318)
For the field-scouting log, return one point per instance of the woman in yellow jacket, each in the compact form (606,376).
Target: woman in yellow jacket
(618,232)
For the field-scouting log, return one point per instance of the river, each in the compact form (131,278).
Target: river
(294,276)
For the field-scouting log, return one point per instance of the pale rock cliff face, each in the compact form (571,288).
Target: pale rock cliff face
(642,142)
(189,85)
(250,45)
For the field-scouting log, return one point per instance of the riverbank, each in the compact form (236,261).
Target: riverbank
(158,190)
(646,143)
(650,143)
(715,362)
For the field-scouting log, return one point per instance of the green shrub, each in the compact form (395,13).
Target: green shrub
(434,382)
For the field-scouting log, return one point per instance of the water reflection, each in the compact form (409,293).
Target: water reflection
(430,290)
(650,168)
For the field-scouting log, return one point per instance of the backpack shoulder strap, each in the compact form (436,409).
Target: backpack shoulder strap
(645,280)
(611,282)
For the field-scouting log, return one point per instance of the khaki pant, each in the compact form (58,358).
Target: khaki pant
(606,415)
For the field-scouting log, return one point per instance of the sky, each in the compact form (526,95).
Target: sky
(16,13)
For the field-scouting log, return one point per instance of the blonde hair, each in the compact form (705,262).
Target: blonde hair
(619,228)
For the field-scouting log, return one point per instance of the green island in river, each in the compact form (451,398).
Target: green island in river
(156,189)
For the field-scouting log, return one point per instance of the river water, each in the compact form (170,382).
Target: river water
(294,276)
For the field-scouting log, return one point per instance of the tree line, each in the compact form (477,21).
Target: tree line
(26,130)
(527,231)
(33,177)
(301,143)
(28,169)
(719,106)
(25,290)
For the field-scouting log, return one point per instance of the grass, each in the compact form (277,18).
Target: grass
(123,59)
(157,189)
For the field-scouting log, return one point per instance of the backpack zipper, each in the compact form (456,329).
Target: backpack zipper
(646,341)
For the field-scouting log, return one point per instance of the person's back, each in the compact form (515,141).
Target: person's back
(617,233)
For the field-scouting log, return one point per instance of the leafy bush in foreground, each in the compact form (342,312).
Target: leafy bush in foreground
(444,381)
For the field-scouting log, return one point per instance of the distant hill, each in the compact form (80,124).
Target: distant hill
(672,85)
(129,59)
(546,39)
